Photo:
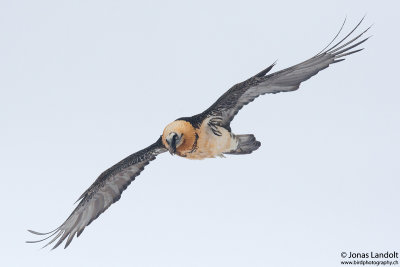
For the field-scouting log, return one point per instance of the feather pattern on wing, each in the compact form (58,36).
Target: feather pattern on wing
(106,190)
(229,104)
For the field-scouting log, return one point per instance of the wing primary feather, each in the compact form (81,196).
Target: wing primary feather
(330,49)
(36,241)
(265,71)
(348,53)
(333,52)
(55,238)
(69,240)
(65,234)
(340,30)
(79,232)
(72,233)
(38,233)
(338,60)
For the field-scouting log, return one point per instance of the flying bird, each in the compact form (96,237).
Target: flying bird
(205,135)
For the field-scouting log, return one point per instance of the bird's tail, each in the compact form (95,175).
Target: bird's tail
(247,143)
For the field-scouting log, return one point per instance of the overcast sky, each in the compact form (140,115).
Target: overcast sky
(84,84)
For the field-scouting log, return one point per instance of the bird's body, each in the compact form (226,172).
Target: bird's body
(205,135)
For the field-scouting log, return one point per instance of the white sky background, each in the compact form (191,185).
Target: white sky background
(86,83)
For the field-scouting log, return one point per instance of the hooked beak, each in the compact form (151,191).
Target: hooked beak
(172,150)
(172,146)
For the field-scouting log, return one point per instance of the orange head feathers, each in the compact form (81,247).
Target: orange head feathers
(179,137)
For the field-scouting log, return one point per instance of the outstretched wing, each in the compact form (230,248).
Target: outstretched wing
(106,190)
(229,104)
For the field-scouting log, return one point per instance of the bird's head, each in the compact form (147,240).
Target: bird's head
(177,136)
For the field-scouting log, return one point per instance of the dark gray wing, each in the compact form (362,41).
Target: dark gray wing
(106,190)
(229,104)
